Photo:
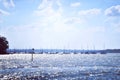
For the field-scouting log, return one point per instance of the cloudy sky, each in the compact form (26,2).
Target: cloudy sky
(71,24)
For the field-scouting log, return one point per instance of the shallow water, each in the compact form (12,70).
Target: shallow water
(60,67)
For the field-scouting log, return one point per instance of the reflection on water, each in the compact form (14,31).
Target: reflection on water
(60,67)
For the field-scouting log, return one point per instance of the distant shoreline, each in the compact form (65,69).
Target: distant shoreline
(61,51)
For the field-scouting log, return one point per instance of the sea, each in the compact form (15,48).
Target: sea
(60,66)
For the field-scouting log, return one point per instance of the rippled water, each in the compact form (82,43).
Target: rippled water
(60,67)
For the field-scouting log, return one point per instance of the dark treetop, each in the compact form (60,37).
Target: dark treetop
(3,45)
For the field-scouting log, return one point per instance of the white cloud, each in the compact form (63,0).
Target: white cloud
(113,24)
(93,11)
(51,29)
(39,36)
(2,12)
(43,4)
(113,11)
(8,3)
(48,14)
(76,4)
(97,29)
(117,29)
(59,30)
(55,35)
(12,3)
(73,20)
(48,8)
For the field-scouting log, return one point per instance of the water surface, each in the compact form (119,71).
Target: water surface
(60,66)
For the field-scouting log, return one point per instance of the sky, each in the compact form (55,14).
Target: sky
(61,24)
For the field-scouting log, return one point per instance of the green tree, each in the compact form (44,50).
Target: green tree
(3,45)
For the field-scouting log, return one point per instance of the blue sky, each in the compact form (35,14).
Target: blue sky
(70,24)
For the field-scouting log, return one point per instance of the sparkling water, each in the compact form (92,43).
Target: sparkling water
(60,67)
